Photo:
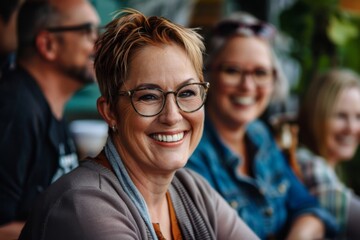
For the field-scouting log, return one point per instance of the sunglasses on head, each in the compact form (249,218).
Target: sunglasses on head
(227,28)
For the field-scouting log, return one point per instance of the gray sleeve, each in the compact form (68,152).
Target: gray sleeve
(352,229)
(90,214)
(84,205)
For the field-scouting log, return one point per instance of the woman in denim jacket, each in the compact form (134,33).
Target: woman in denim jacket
(237,153)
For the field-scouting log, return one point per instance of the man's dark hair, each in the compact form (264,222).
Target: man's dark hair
(34,16)
(7,8)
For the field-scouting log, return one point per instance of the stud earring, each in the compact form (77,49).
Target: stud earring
(113,128)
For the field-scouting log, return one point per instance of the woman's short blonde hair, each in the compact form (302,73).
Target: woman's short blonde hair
(129,32)
(318,104)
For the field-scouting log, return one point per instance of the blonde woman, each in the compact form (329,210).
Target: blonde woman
(150,77)
(329,121)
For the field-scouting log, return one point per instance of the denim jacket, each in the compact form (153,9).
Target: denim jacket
(270,200)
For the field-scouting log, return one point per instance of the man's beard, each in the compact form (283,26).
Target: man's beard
(82,75)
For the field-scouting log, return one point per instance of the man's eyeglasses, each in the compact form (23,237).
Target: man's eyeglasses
(89,29)
(150,102)
(233,75)
(227,28)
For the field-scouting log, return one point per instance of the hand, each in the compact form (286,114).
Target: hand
(11,231)
(307,227)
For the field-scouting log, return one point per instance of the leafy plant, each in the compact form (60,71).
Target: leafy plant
(323,36)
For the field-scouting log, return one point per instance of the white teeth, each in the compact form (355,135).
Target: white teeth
(244,100)
(168,138)
(347,139)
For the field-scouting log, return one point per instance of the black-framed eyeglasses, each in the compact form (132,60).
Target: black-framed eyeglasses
(233,75)
(149,102)
(89,29)
(261,29)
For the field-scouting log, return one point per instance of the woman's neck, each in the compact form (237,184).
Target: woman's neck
(232,134)
(234,138)
(153,189)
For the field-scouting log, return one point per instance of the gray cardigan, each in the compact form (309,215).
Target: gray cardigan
(89,203)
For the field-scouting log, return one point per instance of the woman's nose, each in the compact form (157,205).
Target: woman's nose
(171,113)
(246,81)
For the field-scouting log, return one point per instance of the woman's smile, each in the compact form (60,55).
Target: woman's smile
(164,137)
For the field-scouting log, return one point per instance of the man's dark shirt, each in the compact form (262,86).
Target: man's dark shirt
(7,62)
(35,147)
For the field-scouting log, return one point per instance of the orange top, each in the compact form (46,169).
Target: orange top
(175,230)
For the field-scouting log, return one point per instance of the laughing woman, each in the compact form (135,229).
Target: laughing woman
(237,154)
(329,122)
(150,77)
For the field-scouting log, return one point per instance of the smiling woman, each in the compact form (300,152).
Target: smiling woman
(237,153)
(329,122)
(152,91)
(150,101)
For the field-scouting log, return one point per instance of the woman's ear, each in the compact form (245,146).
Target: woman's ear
(105,111)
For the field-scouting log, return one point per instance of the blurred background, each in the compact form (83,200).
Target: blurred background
(313,36)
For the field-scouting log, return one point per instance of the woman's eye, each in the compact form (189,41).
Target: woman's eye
(231,70)
(340,116)
(147,96)
(187,93)
(261,72)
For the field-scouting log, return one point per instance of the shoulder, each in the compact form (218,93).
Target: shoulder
(18,90)
(312,164)
(72,206)
(317,172)
(24,118)
(304,155)
(15,80)
(88,175)
(259,131)
(90,183)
